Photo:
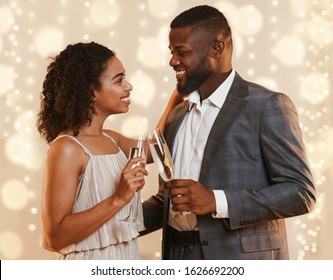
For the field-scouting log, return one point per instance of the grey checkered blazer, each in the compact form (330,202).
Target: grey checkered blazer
(255,153)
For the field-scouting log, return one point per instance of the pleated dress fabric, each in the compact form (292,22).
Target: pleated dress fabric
(116,239)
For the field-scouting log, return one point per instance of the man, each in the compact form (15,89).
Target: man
(240,162)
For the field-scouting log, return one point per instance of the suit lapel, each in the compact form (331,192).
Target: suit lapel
(232,106)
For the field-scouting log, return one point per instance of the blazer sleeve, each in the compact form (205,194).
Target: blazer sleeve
(291,190)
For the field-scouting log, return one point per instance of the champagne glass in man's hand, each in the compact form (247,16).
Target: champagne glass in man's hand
(162,158)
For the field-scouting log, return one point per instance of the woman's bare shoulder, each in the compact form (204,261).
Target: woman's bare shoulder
(65,147)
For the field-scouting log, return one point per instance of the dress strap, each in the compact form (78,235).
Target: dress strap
(114,141)
(77,141)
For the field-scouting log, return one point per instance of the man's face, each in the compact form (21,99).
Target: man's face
(189,60)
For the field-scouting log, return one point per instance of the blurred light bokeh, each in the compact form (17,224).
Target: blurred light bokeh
(283,45)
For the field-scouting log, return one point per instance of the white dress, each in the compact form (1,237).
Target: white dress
(115,239)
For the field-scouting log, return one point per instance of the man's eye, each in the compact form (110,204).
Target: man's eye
(179,53)
(182,53)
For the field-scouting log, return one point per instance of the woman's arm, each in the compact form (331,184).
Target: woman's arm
(174,100)
(61,226)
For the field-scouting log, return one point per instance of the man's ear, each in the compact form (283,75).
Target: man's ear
(216,48)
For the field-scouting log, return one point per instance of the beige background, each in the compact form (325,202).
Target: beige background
(284,45)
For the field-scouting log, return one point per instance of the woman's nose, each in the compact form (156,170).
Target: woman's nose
(128,86)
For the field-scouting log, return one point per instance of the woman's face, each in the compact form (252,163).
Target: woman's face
(113,97)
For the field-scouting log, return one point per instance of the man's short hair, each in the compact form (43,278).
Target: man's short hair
(203,17)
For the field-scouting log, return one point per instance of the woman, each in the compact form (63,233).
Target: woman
(88,181)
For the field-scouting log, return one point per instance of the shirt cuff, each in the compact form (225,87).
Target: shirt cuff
(221,205)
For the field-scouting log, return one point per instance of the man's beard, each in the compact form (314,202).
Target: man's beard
(195,78)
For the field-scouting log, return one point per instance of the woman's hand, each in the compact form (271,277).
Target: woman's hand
(131,180)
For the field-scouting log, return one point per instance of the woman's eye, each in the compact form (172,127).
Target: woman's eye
(120,81)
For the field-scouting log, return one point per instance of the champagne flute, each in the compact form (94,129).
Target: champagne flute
(162,159)
(138,149)
(161,154)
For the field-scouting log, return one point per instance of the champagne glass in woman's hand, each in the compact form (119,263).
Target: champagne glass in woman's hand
(138,149)
(162,159)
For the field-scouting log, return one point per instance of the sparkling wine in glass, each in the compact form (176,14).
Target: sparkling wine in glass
(162,159)
(161,155)
(138,149)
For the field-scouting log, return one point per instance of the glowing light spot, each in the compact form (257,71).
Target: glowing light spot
(144,89)
(152,54)
(250,21)
(230,11)
(299,8)
(1,45)
(238,44)
(25,122)
(267,82)
(250,71)
(274,19)
(320,30)
(290,51)
(11,245)
(25,149)
(14,194)
(143,23)
(314,88)
(7,75)
(135,126)
(32,227)
(49,40)
(6,19)
(162,9)
(104,13)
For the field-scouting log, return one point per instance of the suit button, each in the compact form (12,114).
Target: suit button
(204,243)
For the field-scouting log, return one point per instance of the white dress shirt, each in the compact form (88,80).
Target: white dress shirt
(189,147)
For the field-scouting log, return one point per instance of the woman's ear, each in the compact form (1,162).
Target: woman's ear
(94,92)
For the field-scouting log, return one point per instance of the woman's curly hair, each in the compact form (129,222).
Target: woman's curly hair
(67,99)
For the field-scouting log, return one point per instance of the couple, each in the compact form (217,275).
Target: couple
(237,149)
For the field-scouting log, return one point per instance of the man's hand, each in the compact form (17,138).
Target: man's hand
(192,196)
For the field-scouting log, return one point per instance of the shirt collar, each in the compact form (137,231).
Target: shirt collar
(218,97)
